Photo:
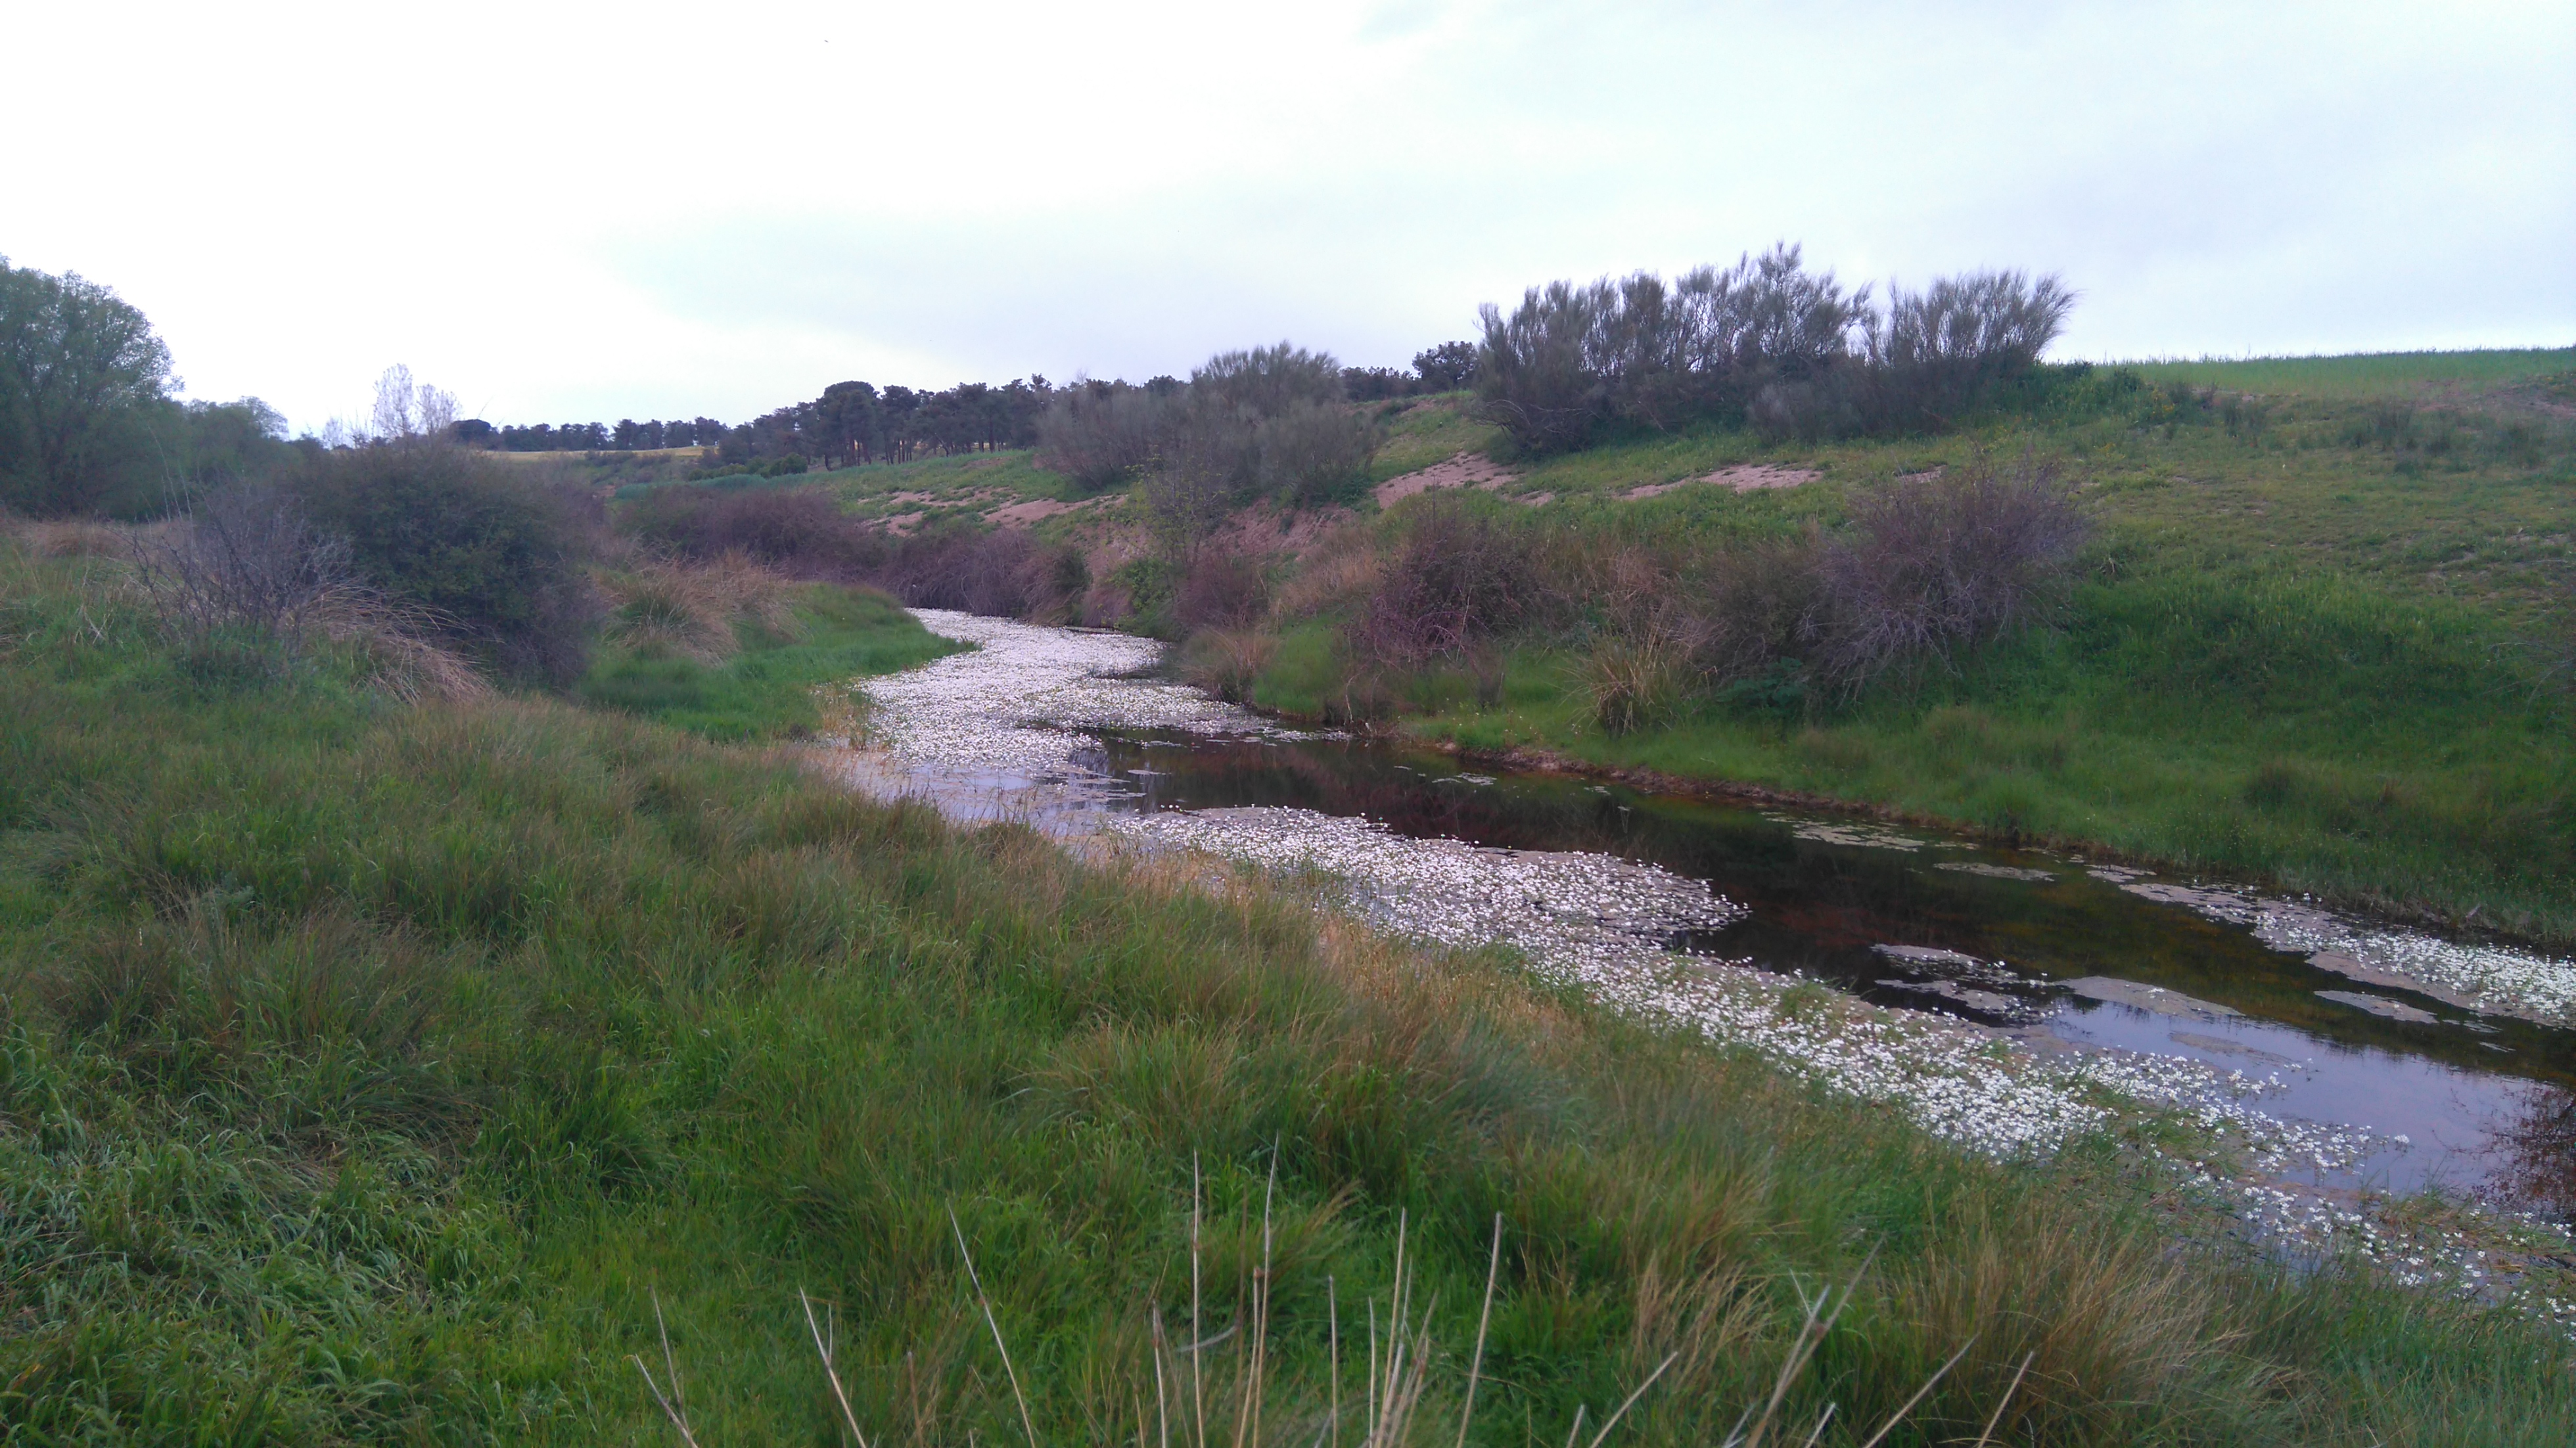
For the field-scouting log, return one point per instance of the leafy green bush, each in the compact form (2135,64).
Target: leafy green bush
(493,557)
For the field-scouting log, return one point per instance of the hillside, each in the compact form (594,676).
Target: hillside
(2318,636)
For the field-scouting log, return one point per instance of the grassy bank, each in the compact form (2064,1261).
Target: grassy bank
(370,1071)
(772,677)
(2318,637)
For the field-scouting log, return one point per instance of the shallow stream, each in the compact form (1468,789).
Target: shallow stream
(2007,993)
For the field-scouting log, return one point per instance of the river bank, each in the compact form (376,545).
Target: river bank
(1080,729)
(381,1070)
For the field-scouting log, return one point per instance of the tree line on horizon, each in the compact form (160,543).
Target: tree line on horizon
(856,422)
(88,423)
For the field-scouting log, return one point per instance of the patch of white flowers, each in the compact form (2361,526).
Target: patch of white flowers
(2479,977)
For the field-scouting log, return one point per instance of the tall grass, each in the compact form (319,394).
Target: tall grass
(369,1072)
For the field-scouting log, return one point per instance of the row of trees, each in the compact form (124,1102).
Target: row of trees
(852,422)
(1764,342)
(626,435)
(855,422)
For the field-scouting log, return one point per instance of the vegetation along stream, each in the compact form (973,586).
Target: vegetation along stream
(2009,999)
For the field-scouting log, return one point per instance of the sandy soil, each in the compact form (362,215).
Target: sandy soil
(1465,470)
(1743,478)
(1021,515)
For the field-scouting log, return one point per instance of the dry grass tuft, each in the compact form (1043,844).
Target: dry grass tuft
(1336,575)
(1226,663)
(689,610)
(71,537)
(1634,681)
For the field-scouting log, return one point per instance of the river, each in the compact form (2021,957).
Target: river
(2007,999)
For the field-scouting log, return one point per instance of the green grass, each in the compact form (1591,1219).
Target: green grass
(972,484)
(368,1072)
(772,687)
(2321,640)
(1423,431)
(2366,375)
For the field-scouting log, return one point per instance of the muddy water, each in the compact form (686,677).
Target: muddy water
(2414,1080)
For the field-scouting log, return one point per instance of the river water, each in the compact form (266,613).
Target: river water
(2007,999)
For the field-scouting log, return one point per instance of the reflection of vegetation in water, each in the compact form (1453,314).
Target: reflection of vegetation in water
(1822,902)
(2539,1151)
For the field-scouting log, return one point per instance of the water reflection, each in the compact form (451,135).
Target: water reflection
(2037,944)
(2537,1151)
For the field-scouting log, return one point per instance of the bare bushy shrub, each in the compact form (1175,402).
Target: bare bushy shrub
(799,531)
(1934,564)
(245,580)
(1642,351)
(1194,482)
(1459,576)
(1004,573)
(1099,434)
(248,561)
(1936,354)
(1221,590)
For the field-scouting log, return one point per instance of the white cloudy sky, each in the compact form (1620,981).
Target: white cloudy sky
(566,212)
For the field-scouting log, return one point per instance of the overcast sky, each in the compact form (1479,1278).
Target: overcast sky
(643,210)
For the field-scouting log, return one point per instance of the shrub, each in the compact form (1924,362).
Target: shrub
(1004,573)
(1643,352)
(1221,590)
(800,531)
(1460,576)
(1099,434)
(1936,355)
(1312,453)
(249,566)
(1267,381)
(1536,377)
(492,558)
(1753,608)
(1933,564)
(1764,341)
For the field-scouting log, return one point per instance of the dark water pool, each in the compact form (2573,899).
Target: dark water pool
(2027,942)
